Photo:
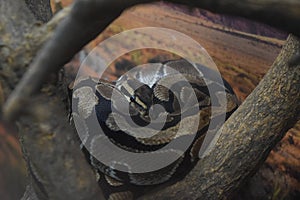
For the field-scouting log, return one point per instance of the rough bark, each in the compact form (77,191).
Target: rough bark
(248,135)
(14,26)
(40,8)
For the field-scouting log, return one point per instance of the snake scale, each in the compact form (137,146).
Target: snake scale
(153,109)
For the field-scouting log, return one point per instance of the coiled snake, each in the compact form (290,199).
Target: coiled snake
(144,112)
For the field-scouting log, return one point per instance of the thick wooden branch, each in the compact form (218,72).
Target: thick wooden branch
(284,15)
(248,136)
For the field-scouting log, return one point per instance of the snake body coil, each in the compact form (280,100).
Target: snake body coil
(144,112)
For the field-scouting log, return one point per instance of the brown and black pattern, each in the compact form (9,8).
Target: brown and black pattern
(172,86)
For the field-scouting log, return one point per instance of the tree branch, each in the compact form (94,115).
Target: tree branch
(284,15)
(252,131)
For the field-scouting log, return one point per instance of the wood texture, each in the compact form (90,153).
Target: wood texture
(244,144)
(281,14)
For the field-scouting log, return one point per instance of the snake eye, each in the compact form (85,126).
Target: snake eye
(132,98)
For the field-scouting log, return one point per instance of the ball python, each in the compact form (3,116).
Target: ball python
(144,112)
